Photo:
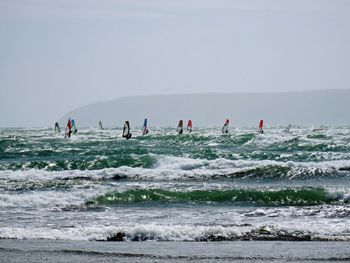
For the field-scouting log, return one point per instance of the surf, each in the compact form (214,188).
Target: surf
(272,197)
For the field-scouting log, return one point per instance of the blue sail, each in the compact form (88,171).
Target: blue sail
(144,129)
(74,128)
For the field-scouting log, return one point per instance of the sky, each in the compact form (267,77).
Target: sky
(56,56)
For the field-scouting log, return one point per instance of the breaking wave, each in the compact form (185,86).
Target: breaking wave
(195,233)
(283,197)
(180,168)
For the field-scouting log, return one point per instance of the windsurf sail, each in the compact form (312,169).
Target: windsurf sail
(180,127)
(225,127)
(100,125)
(74,128)
(57,128)
(189,126)
(261,123)
(126,130)
(144,129)
(68,129)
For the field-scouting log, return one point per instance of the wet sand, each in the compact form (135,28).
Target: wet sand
(151,251)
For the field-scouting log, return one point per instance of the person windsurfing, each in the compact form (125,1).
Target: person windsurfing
(287,129)
(180,127)
(225,127)
(145,128)
(189,126)
(126,130)
(57,128)
(68,131)
(261,123)
(100,125)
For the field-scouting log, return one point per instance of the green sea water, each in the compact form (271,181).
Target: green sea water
(163,186)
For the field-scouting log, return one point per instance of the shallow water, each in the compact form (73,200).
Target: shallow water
(176,252)
(202,186)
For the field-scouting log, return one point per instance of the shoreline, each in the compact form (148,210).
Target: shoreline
(13,250)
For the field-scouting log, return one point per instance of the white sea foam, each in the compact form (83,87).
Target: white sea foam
(178,168)
(49,199)
(182,232)
(339,193)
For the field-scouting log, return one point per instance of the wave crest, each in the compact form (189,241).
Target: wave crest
(283,197)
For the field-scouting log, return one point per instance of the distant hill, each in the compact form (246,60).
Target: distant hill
(243,109)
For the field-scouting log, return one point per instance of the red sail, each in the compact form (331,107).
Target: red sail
(69,124)
(261,124)
(189,124)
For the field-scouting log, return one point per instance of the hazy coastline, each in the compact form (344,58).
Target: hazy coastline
(323,107)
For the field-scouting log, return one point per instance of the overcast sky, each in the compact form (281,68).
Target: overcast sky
(61,54)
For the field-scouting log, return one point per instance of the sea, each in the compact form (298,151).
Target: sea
(198,193)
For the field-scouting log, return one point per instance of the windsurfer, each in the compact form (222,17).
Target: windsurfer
(68,132)
(180,127)
(261,123)
(145,129)
(225,127)
(189,126)
(126,130)
(57,128)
